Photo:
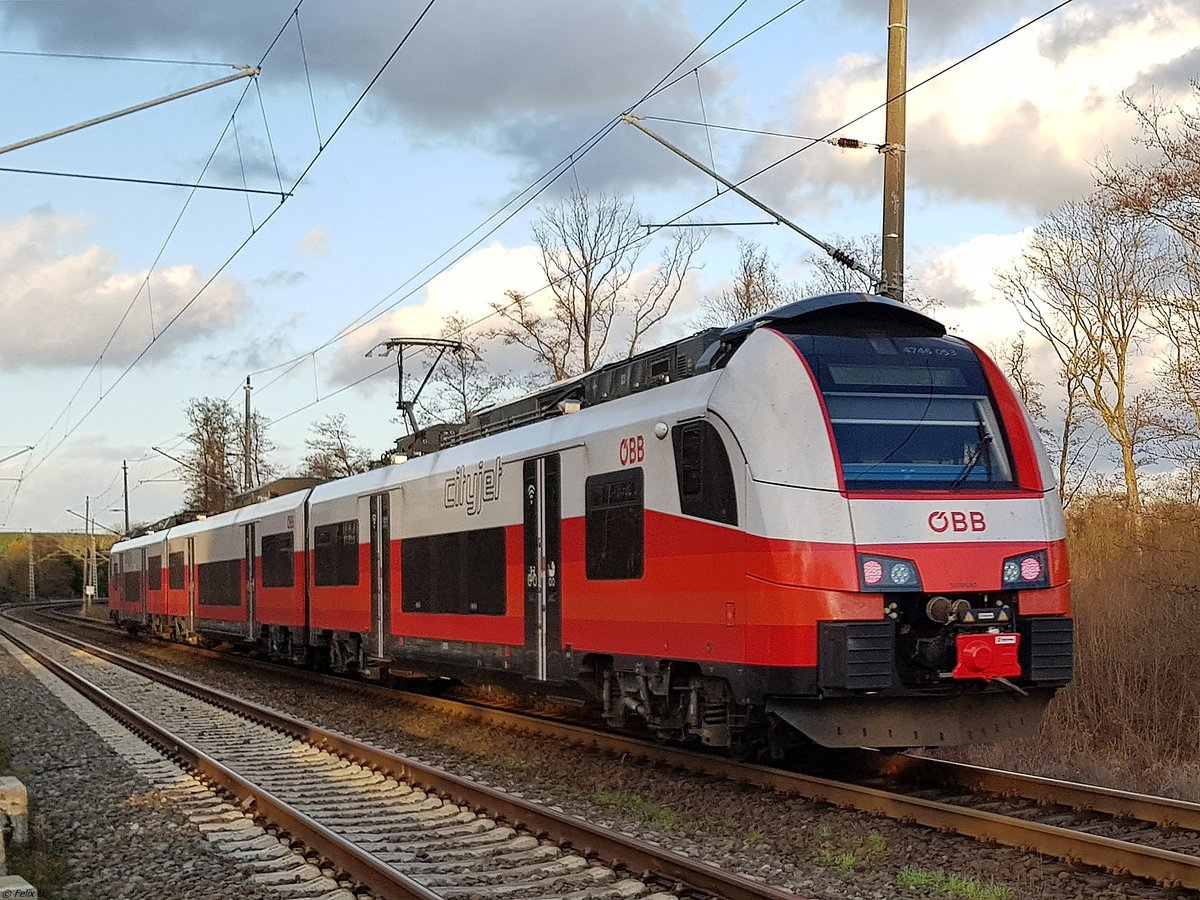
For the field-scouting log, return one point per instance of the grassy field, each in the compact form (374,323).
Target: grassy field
(1131,717)
(71,541)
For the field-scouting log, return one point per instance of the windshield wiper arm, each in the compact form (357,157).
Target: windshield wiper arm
(981,451)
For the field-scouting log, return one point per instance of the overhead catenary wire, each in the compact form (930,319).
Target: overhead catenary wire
(683,215)
(47,54)
(236,252)
(523,198)
(156,182)
(843,143)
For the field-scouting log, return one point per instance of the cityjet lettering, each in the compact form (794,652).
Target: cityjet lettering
(941,522)
(473,486)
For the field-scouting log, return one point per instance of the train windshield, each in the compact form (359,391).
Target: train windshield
(912,412)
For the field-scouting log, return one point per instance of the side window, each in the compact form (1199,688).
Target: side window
(335,554)
(702,469)
(154,573)
(614,532)
(277,565)
(461,572)
(175,571)
(219,583)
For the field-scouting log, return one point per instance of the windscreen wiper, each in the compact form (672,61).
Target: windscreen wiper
(981,451)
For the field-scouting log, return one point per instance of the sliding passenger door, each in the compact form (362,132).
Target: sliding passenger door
(543,562)
(251,578)
(190,575)
(381,582)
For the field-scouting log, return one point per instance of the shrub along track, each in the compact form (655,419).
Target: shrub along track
(1124,833)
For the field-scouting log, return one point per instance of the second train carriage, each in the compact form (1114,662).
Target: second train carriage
(836,517)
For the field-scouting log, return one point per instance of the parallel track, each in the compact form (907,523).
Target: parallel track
(1125,833)
(375,815)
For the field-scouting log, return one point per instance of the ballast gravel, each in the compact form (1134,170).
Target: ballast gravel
(121,836)
(812,849)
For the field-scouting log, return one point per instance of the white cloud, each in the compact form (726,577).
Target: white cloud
(467,289)
(1019,126)
(963,277)
(59,303)
(315,242)
(530,79)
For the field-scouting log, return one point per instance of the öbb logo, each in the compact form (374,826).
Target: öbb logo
(958,522)
(633,450)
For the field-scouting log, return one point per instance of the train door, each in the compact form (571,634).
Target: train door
(189,575)
(143,583)
(543,562)
(251,579)
(381,587)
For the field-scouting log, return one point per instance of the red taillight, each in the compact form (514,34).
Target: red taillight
(887,573)
(1031,568)
(1028,570)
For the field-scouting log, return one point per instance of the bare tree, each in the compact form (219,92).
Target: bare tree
(1166,187)
(259,446)
(831,277)
(756,289)
(214,441)
(589,254)
(1084,284)
(1014,358)
(1072,437)
(332,452)
(461,383)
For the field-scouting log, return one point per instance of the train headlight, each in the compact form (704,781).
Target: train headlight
(1027,570)
(886,573)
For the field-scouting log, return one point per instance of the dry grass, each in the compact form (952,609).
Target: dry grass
(1131,717)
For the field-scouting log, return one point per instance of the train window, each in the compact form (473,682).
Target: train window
(614,533)
(278,569)
(175,571)
(154,573)
(219,583)
(909,411)
(131,586)
(462,572)
(702,470)
(335,554)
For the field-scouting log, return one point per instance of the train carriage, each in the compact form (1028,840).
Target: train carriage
(275,571)
(128,576)
(219,551)
(834,520)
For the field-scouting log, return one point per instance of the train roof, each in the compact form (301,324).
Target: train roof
(142,540)
(847,307)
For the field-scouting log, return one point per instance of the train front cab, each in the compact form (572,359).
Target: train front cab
(906,538)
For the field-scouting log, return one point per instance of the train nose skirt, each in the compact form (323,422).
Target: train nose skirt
(926,721)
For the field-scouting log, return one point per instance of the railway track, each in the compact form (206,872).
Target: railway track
(390,825)
(1125,833)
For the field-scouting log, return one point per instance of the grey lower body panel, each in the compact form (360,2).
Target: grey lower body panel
(915,721)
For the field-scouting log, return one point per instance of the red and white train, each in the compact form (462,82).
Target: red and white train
(834,519)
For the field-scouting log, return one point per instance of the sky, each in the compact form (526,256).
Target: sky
(388,195)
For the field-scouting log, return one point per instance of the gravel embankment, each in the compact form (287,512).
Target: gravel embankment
(812,849)
(122,838)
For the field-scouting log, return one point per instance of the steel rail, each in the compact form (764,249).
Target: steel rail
(1121,857)
(589,840)
(380,878)
(1164,811)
